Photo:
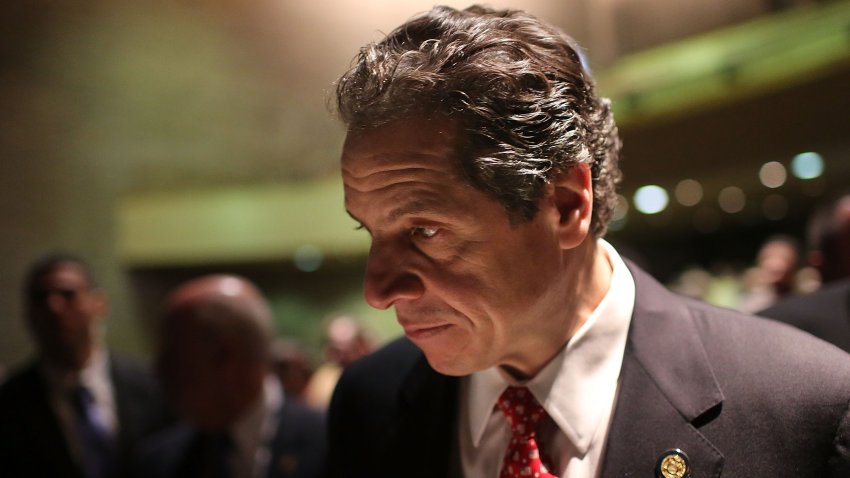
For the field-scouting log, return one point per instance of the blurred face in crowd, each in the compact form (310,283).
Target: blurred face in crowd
(469,288)
(64,312)
(345,341)
(191,369)
(211,354)
(778,261)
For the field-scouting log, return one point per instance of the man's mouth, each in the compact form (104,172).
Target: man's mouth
(425,332)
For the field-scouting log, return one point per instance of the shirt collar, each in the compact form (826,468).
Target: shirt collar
(95,375)
(577,387)
(252,429)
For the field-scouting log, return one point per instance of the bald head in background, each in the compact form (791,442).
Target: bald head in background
(216,364)
(214,353)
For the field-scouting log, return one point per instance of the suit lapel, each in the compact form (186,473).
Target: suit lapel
(667,389)
(284,459)
(424,443)
(45,427)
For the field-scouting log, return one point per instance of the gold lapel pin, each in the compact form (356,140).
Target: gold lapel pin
(673,464)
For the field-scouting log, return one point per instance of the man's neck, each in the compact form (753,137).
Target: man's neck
(586,283)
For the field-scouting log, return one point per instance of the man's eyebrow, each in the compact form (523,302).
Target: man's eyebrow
(412,207)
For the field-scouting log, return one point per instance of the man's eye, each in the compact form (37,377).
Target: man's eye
(424,232)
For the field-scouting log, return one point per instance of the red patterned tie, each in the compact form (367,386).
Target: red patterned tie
(523,413)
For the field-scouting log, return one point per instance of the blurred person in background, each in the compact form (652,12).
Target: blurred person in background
(292,365)
(774,275)
(483,166)
(76,410)
(345,341)
(214,360)
(824,313)
(829,240)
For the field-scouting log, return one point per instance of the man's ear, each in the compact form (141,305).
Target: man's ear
(572,194)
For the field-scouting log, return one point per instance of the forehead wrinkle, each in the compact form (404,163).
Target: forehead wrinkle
(364,165)
(378,180)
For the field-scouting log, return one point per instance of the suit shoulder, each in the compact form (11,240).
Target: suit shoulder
(158,455)
(19,385)
(824,313)
(830,303)
(297,415)
(374,383)
(766,351)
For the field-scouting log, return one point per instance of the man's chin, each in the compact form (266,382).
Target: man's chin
(447,366)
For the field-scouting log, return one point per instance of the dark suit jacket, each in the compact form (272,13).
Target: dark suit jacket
(298,449)
(31,440)
(742,396)
(824,313)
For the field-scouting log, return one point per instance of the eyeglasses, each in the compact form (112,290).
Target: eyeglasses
(42,296)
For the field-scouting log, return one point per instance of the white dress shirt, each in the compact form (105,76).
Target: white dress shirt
(577,389)
(253,433)
(97,380)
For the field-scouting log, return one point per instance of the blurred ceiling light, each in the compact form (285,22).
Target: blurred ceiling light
(774,207)
(732,199)
(773,174)
(651,199)
(308,258)
(807,165)
(688,192)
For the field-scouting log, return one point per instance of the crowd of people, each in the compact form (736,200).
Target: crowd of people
(483,165)
(783,267)
(224,393)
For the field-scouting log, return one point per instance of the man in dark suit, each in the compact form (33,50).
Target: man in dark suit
(824,313)
(483,165)
(75,410)
(214,359)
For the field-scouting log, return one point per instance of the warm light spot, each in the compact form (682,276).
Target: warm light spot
(230,286)
(732,199)
(773,174)
(688,192)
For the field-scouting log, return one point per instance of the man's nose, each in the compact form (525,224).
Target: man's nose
(390,276)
